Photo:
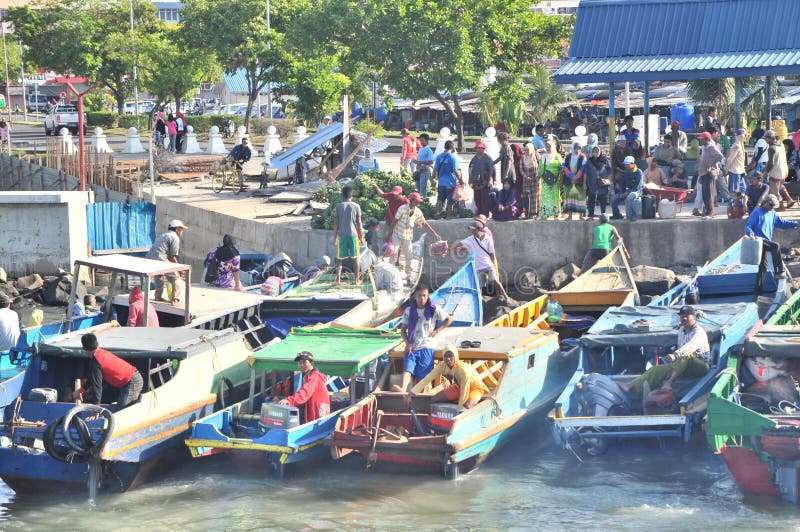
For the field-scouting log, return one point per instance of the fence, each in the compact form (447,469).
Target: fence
(102,169)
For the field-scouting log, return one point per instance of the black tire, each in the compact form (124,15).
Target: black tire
(218,180)
(47,132)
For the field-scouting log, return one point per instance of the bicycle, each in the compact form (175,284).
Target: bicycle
(226,176)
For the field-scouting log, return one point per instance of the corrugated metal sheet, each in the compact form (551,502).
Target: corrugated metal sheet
(121,225)
(682,39)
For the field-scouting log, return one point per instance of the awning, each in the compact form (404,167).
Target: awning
(288,157)
(779,341)
(340,352)
(132,342)
(132,265)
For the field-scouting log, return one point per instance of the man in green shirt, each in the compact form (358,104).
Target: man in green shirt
(604,233)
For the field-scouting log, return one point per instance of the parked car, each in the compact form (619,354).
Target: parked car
(37,102)
(62,116)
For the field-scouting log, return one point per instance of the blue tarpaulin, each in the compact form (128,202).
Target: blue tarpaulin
(280,327)
(115,225)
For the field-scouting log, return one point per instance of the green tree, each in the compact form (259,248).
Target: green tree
(720,93)
(546,96)
(90,38)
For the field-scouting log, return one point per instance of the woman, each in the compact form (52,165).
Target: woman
(227,260)
(316,269)
(506,209)
(597,174)
(530,180)
(734,163)
(172,131)
(550,182)
(575,200)
(160,129)
(367,162)
(5,132)
(591,143)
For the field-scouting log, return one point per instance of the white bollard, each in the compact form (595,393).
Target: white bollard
(272,142)
(132,142)
(241,132)
(190,144)
(300,134)
(99,142)
(66,145)
(493,151)
(215,144)
(444,136)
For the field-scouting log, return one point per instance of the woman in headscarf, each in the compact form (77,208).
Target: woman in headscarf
(550,182)
(136,310)
(227,260)
(506,209)
(172,131)
(317,269)
(160,129)
(367,163)
(591,143)
(530,181)
(597,173)
(575,200)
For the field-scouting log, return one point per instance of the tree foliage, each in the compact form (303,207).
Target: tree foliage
(546,96)
(720,93)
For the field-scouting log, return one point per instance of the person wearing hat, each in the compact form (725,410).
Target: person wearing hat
(409,216)
(395,199)
(679,139)
(107,367)
(424,163)
(708,171)
(166,247)
(629,189)
(481,177)
(313,394)
(466,388)
(9,325)
(482,245)
(689,359)
(408,155)
(762,223)
(734,163)
(317,268)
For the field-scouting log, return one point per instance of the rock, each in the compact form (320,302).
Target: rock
(794,269)
(3,276)
(57,292)
(8,290)
(683,268)
(29,283)
(680,279)
(563,276)
(653,281)
(527,283)
(645,299)
(97,291)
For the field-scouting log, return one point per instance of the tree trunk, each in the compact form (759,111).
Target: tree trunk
(120,101)
(459,123)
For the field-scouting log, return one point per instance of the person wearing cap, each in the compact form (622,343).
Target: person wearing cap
(762,223)
(466,388)
(665,153)
(408,154)
(371,238)
(317,268)
(395,199)
(756,192)
(482,245)
(348,232)
(574,185)
(166,247)
(107,367)
(630,133)
(409,216)
(679,138)
(481,177)
(9,325)
(689,359)
(367,163)
(708,171)
(734,163)
(777,168)
(313,394)
(629,189)
(424,163)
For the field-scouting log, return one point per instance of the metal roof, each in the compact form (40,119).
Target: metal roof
(681,39)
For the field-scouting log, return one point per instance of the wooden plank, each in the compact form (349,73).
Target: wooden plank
(318,206)
(291,197)
(300,209)
(180,176)
(122,251)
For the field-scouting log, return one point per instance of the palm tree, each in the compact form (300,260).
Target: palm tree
(719,92)
(546,97)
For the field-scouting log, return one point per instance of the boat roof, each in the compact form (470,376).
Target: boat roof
(495,342)
(204,302)
(132,265)
(779,341)
(134,342)
(325,287)
(336,351)
(617,324)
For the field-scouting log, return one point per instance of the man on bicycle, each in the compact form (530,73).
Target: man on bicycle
(239,155)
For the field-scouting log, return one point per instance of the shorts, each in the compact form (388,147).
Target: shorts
(488,272)
(444,194)
(453,392)
(348,247)
(419,363)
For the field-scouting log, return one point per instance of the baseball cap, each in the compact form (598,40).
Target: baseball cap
(175,224)
(326,117)
(741,131)
(304,355)
(704,135)
(675,123)
(687,309)
(772,199)
(415,197)
(629,160)
(397,189)
(480,144)
(475,226)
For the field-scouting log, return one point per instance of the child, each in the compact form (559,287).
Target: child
(371,237)
(89,303)
(737,208)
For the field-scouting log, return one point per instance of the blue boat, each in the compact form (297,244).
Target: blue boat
(239,430)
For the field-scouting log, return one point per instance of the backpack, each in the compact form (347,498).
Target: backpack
(212,270)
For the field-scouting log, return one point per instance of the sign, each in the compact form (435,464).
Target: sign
(62,95)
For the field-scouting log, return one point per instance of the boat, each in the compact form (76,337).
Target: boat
(594,410)
(347,353)
(608,283)
(753,417)
(187,374)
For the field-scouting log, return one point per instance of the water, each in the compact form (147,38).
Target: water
(529,484)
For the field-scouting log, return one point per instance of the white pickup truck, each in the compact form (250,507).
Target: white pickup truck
(62,116)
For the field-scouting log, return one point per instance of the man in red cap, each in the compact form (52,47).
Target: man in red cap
(708,171)
(481,177)
(679,138)
(409,154)
(396,199)
(408,217)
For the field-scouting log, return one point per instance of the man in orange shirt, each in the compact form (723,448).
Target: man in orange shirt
(409,154)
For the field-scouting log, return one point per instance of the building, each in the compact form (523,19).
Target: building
(168,11)
(556,7)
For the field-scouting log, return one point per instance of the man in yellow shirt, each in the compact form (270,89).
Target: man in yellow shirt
(466,389)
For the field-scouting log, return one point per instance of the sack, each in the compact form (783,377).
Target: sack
(659,401)
(549,177)
(648,207)
(212,270)
(388,249)
(667,209)
(750,252)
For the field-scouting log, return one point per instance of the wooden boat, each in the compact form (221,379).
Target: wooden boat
(608,283)
(338,352)
(753,419)
(184,370)
(593,409)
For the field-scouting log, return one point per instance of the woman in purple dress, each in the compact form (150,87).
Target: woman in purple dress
(506,209)
(227,261)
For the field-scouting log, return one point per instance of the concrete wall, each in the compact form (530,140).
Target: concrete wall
(522,246)
(42,232)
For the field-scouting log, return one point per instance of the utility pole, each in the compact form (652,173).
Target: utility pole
(269,83)
(24,98)
(8,82)
(135,88)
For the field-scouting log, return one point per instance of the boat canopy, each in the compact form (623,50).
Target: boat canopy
(325,287)
(133,342)
(132,265)
(340,352)
(779,341)
(638,326)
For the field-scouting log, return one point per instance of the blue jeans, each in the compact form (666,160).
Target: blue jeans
(736,182)
(630,199)
(422,184)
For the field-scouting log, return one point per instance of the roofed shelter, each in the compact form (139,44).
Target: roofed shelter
(646,40)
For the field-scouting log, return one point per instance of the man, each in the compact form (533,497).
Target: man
(108,367)
(239,155)
(424,163)
(629,189)
(421,322)
(136,310)
(678,178)
(396,200)
(618,156)
(631,133)
(756,193)
(481,177)
(347,233)
(448,174)
(466,389)
(761,223)
(708,171)
(679,138)
(691,358)
(313,394)
(665,154)
(602,235)
(734,163)
(9,325)
(167,247)
(538,140)
(710,123)
(408,155)
(506,158)
(408,217)
(777,169)
(760,152)
(482,245)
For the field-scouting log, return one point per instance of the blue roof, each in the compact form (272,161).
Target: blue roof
(647,40)
(237,82)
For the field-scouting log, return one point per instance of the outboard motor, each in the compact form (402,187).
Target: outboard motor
(600,396)
(279,265)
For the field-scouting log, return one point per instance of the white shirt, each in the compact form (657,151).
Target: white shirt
(482,248)
(421,336)
(387,277)
(9,329)
(693,343)
(762,144)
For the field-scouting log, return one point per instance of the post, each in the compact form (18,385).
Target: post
(24,99)
(627,98)
(612,122)
(345,126)
(647,118)
(768,98)
(146,285)
(269,83)
(737,102)
(135,88)
(8,82)
(81,137)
